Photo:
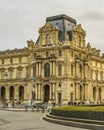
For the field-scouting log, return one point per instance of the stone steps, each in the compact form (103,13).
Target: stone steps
(80,123)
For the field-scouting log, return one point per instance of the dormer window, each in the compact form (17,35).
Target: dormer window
(60,53)
(47,39)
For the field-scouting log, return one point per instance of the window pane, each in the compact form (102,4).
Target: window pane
(46,70)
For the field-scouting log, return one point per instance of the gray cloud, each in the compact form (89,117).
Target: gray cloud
(20,20)
(91,16)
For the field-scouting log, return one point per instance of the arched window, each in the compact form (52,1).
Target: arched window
(47,39)
(59,69)
(46,70)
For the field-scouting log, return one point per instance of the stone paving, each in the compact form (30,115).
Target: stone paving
(10,120)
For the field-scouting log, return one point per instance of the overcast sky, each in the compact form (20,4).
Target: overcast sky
(20,20)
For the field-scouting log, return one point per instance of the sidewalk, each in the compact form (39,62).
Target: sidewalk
(23,109)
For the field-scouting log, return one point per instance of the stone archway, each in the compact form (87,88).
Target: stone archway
(81,93)
(3,93)
(99,94)
(94,93)
(46,93)
(21,93)
(11,93)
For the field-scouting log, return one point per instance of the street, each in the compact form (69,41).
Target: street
(10,120)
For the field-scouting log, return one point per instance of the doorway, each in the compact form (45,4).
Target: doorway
(59,98)
(46,93)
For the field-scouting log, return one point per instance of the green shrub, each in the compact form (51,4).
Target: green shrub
(83,112)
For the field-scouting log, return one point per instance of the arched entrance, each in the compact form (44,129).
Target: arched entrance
(11,93)
(46,93)
(3,93)
(94,93)
(21,93)
(81,93)
(99,94)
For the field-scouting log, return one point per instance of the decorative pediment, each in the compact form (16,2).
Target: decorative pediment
(48,35)
(48,27)
(79,29)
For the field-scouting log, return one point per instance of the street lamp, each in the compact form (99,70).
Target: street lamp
(4,98)
(53,104)
(34,86)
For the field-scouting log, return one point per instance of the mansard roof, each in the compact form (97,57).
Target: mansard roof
(62,16)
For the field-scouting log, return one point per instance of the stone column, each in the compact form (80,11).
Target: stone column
(37,69)
(86,93)
(50,96)
(7,93)
(39,91)
(51,68)
(97,94)
(53,91)
(0,93)
(86,70)
(36,91)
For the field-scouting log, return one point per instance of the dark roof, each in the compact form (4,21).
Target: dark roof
(62,16)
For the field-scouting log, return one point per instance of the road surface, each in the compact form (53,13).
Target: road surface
(10,120)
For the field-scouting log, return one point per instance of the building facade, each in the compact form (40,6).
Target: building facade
(60,67)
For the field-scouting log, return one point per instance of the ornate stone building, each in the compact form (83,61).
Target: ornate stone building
(60,67)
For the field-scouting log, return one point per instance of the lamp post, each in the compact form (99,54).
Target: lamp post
(53,99)
(33,93)
(4,98)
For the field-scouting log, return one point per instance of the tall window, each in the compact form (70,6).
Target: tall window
(20,59)
(34,71)
(71,70)
(35,56)
(46,70)
(2,75)
(19,73)
(11,74)
(47,39)
(2,61)
(59,70)
(60,53)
